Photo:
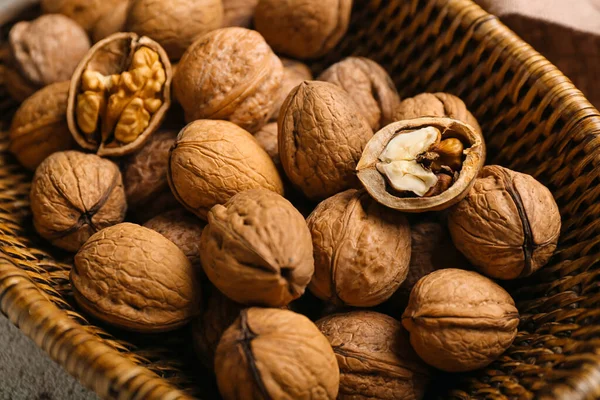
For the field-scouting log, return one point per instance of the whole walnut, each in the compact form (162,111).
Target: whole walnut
(238,12)
(111,22)
(90,14)
(361,250)
(303,29)
(267,138)
(134,278)
(256,249)
(39,127)
(508,225)
(74,195)
(459,320)
(370,87)
(174,24)
(375,357)
(321,139)
(229,74)
(275,354)
(294,73)
(213,160)
(435,105)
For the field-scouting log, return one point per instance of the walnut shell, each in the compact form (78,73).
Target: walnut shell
(321,138)
(111,22)
(508,225)
(17,86)
(74,195)
(294,73)
(303,29)
(134,278)
(39,127)
(89,14)
(275,354)
(229,74)
(375,357)
(214,160)
(460,320)
(369,85)
(361,250)
(472,159)
(238,12)
(267,138)
(435,105)
(175,24)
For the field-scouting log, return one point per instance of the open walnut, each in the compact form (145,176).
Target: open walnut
(238,12)
(423,164)
(119,94)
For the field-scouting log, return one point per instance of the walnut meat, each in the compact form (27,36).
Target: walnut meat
(508,225)
(214,160)
(175,24)
(238,12)
(375,357)
(275,354)
(229,74)
(74,195)
(134,278)
(460,320)
(294,73)
(39,127)
(303,29)
(321,138)
(90,14)
(370,87)
(119,94)
(361,250)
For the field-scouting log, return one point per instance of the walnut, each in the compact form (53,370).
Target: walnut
(303,29)
(229,74)
(267,138)
(39,127)
(508,225)
(257,250)
(460,320)
(435,105)
(119,94)
(375,357)
(90,14)
(238,12)
(214,160)
(361,250)
(423,164)
(369,85)
(175,24)
(111,22)
(74,195)
(275,354)
(134,278)
(321,138)
(294,73)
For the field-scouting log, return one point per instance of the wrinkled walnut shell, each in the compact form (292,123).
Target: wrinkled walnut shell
(111,22)
(87,13)
(375,182)
(267,138)
(238,12)
(294,73)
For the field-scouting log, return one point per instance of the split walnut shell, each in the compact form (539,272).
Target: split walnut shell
(361,250)
(375,357)
(508,225)
(257,250)
(134,278)
(39,127)
(459,320)
(238,12)
(119,94)
(294,73)
(275,354)
(470,159)
(74,195)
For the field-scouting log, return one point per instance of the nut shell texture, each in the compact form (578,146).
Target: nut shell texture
(460,320)
(238,12)
(267,138)
(87,13)
(294,73)
(275,354)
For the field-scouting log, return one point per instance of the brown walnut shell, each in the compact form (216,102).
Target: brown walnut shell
(361,250)
(229,74)
(375,182)
(275,354)
(369,85)
(134,278)
(267,138)
(174,24)
(214,160)
(257,249)
(375,357)
(459,320)
(87,13)
(39,127)
(294,73)
(238,12)
(17,86)
(112,56)
(303,29)
(74,195)
(111,22)
(508,225)
(321,138)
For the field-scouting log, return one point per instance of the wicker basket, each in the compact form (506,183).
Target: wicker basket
(534,120)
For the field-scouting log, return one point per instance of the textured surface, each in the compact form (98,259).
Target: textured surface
(294,73)
(267,138)
(87,13)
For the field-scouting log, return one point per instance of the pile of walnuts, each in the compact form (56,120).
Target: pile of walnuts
(199,177)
